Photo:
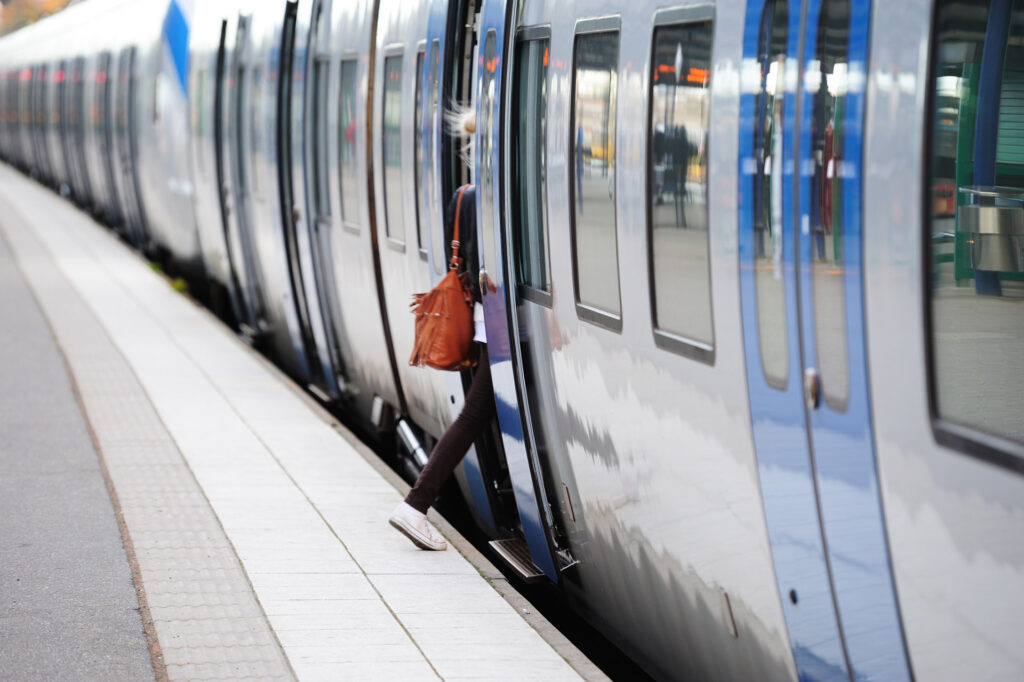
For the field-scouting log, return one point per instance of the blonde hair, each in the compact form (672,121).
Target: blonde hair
(461,122)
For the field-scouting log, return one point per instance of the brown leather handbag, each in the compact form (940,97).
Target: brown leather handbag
(444,316)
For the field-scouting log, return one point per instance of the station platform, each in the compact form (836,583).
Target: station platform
(205,519)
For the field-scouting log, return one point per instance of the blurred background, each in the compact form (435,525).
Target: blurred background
(17,13)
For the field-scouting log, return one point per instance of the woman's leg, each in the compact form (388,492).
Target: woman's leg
(476,414)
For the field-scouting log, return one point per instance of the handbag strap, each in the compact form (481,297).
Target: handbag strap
(456,261)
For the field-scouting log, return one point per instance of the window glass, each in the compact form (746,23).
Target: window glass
(976,215)
(256,131)
(486,134)
(592,143)
(767,200)
(529,170)
(322,69)
(241,96)
(680,105)
(197,119)
(830,75)
(347,141)
(392,114)
(435,89)
(421,208)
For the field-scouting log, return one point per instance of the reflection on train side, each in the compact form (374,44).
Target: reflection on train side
(977,217)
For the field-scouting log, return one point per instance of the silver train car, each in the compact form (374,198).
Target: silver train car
(753,349)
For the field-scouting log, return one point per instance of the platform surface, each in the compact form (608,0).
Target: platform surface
(255,526)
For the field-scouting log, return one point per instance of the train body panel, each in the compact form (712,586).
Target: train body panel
(692,215)
(954,520)
(633,434)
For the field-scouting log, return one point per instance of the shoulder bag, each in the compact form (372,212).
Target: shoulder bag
(444,316)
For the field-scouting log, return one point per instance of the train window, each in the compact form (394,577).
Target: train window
(767,202)
(321,74)
(679,111)
(435,113)
(347,144)
(529,166)
(394,216)
(830,73)
(975,212)
(592,183)
(421,207)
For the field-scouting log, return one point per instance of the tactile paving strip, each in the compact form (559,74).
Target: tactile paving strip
(207,621)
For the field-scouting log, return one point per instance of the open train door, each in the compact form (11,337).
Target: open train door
(537,553)
(800,242)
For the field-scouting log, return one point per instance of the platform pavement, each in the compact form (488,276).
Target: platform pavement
(68,608)
(292,510)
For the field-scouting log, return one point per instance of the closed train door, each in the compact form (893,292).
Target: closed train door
(800,177)
(233,133)
(300,226)
(318,191)
(125,146)
(106,76)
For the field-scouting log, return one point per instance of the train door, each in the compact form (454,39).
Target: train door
(58,130)
(64,103)
(105,118)
(292,188)
(230,127)
(125,148)
(800,229)
(25,139)
(537,553)
(76,123)
(318,203)
(40,123)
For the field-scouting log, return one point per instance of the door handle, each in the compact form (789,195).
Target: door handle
(812,388)
(296,214)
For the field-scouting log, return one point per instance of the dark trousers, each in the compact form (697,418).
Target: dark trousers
(476,414)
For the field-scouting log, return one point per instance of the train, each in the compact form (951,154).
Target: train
(755,351)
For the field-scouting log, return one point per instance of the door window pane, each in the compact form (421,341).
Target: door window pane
(256,156)
(321,73)
(679,107)
(486,134)
(529,165)
(392,115)
(976,216)
(830,75)
(421,208)
(592,153)
(767,200)
(432,147)
(347,141)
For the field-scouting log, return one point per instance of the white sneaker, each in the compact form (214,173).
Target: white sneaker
(413,524)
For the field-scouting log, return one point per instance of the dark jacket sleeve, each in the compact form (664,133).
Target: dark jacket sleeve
(467,237)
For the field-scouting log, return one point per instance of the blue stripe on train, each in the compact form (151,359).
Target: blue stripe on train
(175,33)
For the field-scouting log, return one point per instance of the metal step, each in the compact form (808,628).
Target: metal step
(517,555)
(320,393)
